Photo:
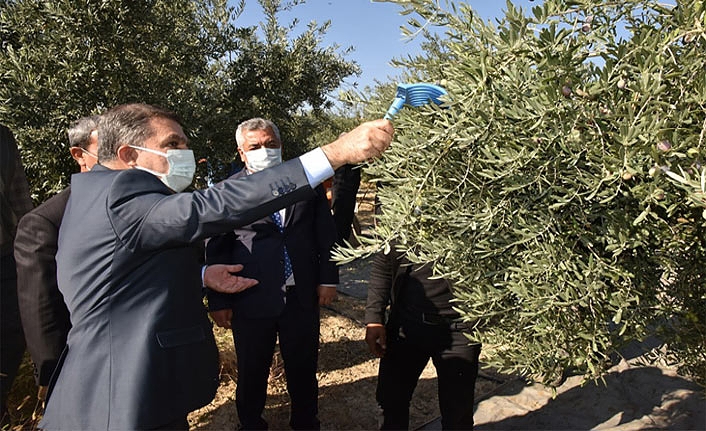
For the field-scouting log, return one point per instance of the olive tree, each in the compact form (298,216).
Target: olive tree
(560,185)
(61,60)
(286,76)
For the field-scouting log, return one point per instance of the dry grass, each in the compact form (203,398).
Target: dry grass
(23,405)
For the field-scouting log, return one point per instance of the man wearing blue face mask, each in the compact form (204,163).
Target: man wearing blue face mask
(141,353)
(289,253)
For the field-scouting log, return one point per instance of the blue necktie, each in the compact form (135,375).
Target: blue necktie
(287,263)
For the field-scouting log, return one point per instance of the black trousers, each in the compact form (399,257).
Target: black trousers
(181,424)
(298,331)
(409,347)
(11,334)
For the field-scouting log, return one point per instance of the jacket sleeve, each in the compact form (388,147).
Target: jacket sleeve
(146,215)
(325,239)
(379,287)
(45,318)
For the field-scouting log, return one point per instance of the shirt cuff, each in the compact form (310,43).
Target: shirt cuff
(316,166)
(203,272)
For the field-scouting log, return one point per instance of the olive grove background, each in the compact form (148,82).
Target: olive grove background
(61,60)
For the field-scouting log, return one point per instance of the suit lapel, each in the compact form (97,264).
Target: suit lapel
(291,210)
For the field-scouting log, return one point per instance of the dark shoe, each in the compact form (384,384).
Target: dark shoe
(260,424)
(307,425)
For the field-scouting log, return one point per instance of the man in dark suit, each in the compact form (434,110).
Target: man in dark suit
(15,201)
(141,352)
(421,324)
(45,318)
(288,252)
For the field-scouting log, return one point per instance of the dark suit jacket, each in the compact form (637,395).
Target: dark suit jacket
(407,288)
(45,318)
(15,200)
(141,352)
(346,181)
(309,234)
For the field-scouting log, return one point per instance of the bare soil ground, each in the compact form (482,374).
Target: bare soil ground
(347,371)
(347,378)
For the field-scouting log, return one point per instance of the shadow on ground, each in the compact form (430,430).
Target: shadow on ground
(632,398)
(636,398)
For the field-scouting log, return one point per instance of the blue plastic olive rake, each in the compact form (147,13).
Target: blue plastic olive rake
(418,94)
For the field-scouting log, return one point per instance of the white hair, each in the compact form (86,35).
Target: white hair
(256,123)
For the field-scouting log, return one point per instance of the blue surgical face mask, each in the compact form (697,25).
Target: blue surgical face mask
(182,167)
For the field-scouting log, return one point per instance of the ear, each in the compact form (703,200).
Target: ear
(127,156)
(241,153)
(77,154)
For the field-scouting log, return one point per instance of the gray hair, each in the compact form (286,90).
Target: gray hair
(256,123)
(80,131)
(127,125)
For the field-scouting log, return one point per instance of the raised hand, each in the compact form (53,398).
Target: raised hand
(367,141)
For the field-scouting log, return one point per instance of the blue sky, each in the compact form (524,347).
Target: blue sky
(373,29)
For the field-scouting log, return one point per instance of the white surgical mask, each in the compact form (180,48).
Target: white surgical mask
(182,167)
(263,158)
(85,151)
(88,152)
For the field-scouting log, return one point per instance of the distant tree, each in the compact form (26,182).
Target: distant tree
(61,60)
(285,77)
(561,187)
